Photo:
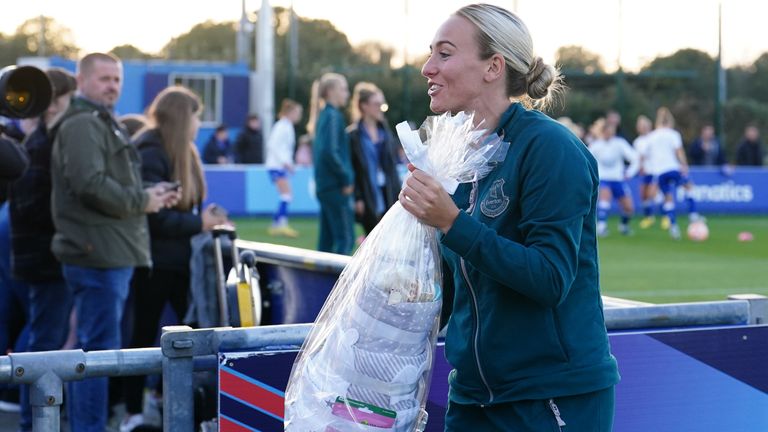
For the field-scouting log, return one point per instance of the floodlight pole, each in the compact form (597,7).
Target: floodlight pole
(720,88)
(262,99)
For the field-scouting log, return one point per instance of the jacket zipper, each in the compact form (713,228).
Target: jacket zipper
(470,210)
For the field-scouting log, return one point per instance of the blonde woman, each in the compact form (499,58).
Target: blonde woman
(374,156)
(334,178)
(526,335)
(667,156)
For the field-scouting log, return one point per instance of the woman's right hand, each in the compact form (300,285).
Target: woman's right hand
(213,215)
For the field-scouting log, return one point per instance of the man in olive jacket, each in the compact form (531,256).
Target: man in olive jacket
(99,206)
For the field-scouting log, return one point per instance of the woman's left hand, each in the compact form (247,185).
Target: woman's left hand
(425,198)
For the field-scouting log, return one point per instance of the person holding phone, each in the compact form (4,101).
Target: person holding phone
(169,158)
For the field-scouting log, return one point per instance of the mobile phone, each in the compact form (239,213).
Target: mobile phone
(173,186)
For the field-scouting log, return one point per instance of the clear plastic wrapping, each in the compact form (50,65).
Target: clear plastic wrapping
(367,362)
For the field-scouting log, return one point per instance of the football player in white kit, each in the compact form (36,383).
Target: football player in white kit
(648,188)
(667,157)
(611,152)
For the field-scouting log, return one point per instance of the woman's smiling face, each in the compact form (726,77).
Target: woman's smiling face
(454,70)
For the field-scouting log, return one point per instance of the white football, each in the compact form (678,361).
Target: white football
(698,231)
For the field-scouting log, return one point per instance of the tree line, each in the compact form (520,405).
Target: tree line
(685,81)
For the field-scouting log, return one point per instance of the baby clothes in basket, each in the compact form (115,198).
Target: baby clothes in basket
(372,374)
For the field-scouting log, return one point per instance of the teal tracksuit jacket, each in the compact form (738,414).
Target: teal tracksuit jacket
(527,319)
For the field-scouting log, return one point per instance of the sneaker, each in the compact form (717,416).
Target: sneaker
(674,232)
(665,223)
(647,222)
(695,217)
(282,231)
(602,232)
(131,422)
(625,230)
(152,408)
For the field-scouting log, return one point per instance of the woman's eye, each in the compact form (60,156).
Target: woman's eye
(443,54)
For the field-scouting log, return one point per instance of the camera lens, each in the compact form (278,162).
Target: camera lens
(25,91)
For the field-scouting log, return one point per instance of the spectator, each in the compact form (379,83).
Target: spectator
(50,302)
(168,155)
(374,156)
(133,123)
(526,334)
(303,155)
(99,208)
(280,148)
(750,150)
(13,293)
(334,178)
(249,144)
(218,150)
(706,149)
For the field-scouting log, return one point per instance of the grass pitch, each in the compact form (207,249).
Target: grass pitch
(647,266)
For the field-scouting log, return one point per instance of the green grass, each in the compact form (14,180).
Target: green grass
(647,266)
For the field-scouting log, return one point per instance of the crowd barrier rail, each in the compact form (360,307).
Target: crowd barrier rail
(184,350)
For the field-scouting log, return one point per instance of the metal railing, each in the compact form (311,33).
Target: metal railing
(184,350)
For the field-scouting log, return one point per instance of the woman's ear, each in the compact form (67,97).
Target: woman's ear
(495,67)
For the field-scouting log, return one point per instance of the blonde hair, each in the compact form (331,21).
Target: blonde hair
(664,118)
(171,113)
(500,31)
(361,94)
(320,89)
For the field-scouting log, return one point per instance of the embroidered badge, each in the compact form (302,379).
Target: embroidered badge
(496,202)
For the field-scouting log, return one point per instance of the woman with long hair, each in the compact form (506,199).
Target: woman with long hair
(374,156)
(169,157)
(334,177)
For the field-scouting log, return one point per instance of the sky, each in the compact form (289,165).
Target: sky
(631,32)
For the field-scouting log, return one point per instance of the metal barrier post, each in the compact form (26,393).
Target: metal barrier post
(758,307)
(46,377)
(180,344)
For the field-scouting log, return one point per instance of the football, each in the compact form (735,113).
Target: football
(698,231)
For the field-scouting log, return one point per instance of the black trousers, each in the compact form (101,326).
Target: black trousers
(151,290)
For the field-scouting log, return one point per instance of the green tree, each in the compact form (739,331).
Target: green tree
(26,41)
(206,41)
(130,52)
(578,59)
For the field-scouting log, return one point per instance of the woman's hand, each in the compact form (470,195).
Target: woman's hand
(425,198)
(212,216)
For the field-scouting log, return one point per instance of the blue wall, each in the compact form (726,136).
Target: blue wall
(144,79)
(246,190)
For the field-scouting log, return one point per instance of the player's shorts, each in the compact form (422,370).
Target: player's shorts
(277,174)
(647,179)
(670,181)
(618,189)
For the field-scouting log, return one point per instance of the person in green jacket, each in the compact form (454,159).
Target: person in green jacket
(334,177)
(99,207)
(526,336)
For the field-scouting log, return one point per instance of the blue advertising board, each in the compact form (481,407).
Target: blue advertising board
(246,190)
(705,379)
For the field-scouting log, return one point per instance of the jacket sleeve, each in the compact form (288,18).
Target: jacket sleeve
(210,152)
(333,136)
(358,162)
(83,156)
(556,193)
(13,160)
(155,168)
